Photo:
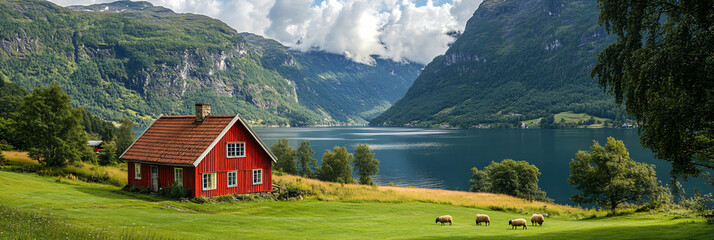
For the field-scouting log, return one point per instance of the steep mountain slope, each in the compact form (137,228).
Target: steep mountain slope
(139,60)
(516,60)
(349,92)
(142,63)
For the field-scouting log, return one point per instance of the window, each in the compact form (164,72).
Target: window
(178,176)
(209,181)
(235,150)
(257,176)
(232,179)
(137,170)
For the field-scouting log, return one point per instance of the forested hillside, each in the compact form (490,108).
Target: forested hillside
(515,61)
(139,60)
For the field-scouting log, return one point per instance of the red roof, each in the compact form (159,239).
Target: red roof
(177,139)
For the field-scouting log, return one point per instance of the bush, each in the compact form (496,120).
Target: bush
(294,190)
(698,203)
(224,198)
(175,191)
(97,178)
(136,189)
(200,199)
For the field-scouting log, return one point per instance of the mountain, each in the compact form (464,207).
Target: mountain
(350,92)
(138,60)
(515,61)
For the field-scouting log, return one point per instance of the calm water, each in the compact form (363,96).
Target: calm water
(434,158)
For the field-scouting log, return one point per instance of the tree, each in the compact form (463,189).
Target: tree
(108,155)
(285,155)
(2,158)
(49,128)
(336,166)
(515,178)
(661,67)
(306,163)
(125,136)
(548,121)
(608,177)
(365,164)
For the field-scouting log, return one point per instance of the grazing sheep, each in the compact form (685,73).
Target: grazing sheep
(517,222)
(483,218)
(537,218)
(444,219)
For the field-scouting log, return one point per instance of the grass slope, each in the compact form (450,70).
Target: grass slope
(109,213)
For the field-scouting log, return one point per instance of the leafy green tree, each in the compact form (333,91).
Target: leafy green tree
(125,136)
(607,176)
(336,166)
(365,164)
(306,163)
(108,156)
(548,121)
(49,128)
(2,158)
(661,68)
(515,178)
(285,155)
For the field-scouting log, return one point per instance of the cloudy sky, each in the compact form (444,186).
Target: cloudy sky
(401,30)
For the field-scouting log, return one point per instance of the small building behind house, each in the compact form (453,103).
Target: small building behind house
(96,145)
(212,155)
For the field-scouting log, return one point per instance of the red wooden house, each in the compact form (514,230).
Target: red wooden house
(210,154)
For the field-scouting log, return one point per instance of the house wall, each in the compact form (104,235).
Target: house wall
(166,175)
(217,162)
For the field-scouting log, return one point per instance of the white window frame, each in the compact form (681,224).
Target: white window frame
(235,179)
(211,177)
(260,174)
(178,180)
(137,171)
(236,147)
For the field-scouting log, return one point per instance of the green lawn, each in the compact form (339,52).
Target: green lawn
(96,207)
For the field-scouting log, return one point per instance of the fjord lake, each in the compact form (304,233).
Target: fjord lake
(443,158)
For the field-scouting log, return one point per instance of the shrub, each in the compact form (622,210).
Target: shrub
(200,199)
(224,198)
(175,191)
(293,190)
(697,203)
(97,178)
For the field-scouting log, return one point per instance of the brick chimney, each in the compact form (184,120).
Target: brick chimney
(202,111)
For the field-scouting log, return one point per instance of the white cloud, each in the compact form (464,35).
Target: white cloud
(392,29)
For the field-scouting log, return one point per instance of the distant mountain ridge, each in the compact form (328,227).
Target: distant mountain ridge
(120,6)
(139,60)
(326,81)
(515,61)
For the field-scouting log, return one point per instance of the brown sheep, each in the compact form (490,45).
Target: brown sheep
(537,218)
(444,219)
(517,222)
(483,218)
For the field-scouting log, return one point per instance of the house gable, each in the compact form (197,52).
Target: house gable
(216,161)
(247,130)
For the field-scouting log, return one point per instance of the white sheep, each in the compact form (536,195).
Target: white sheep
(483,218)
(444,219)
(537,218)
(517,222)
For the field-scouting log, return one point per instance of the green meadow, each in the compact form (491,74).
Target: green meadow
(35,207)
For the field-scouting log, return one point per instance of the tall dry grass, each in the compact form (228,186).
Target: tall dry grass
(352,192)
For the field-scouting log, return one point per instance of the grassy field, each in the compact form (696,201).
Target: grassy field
(102,211)
(570,117)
